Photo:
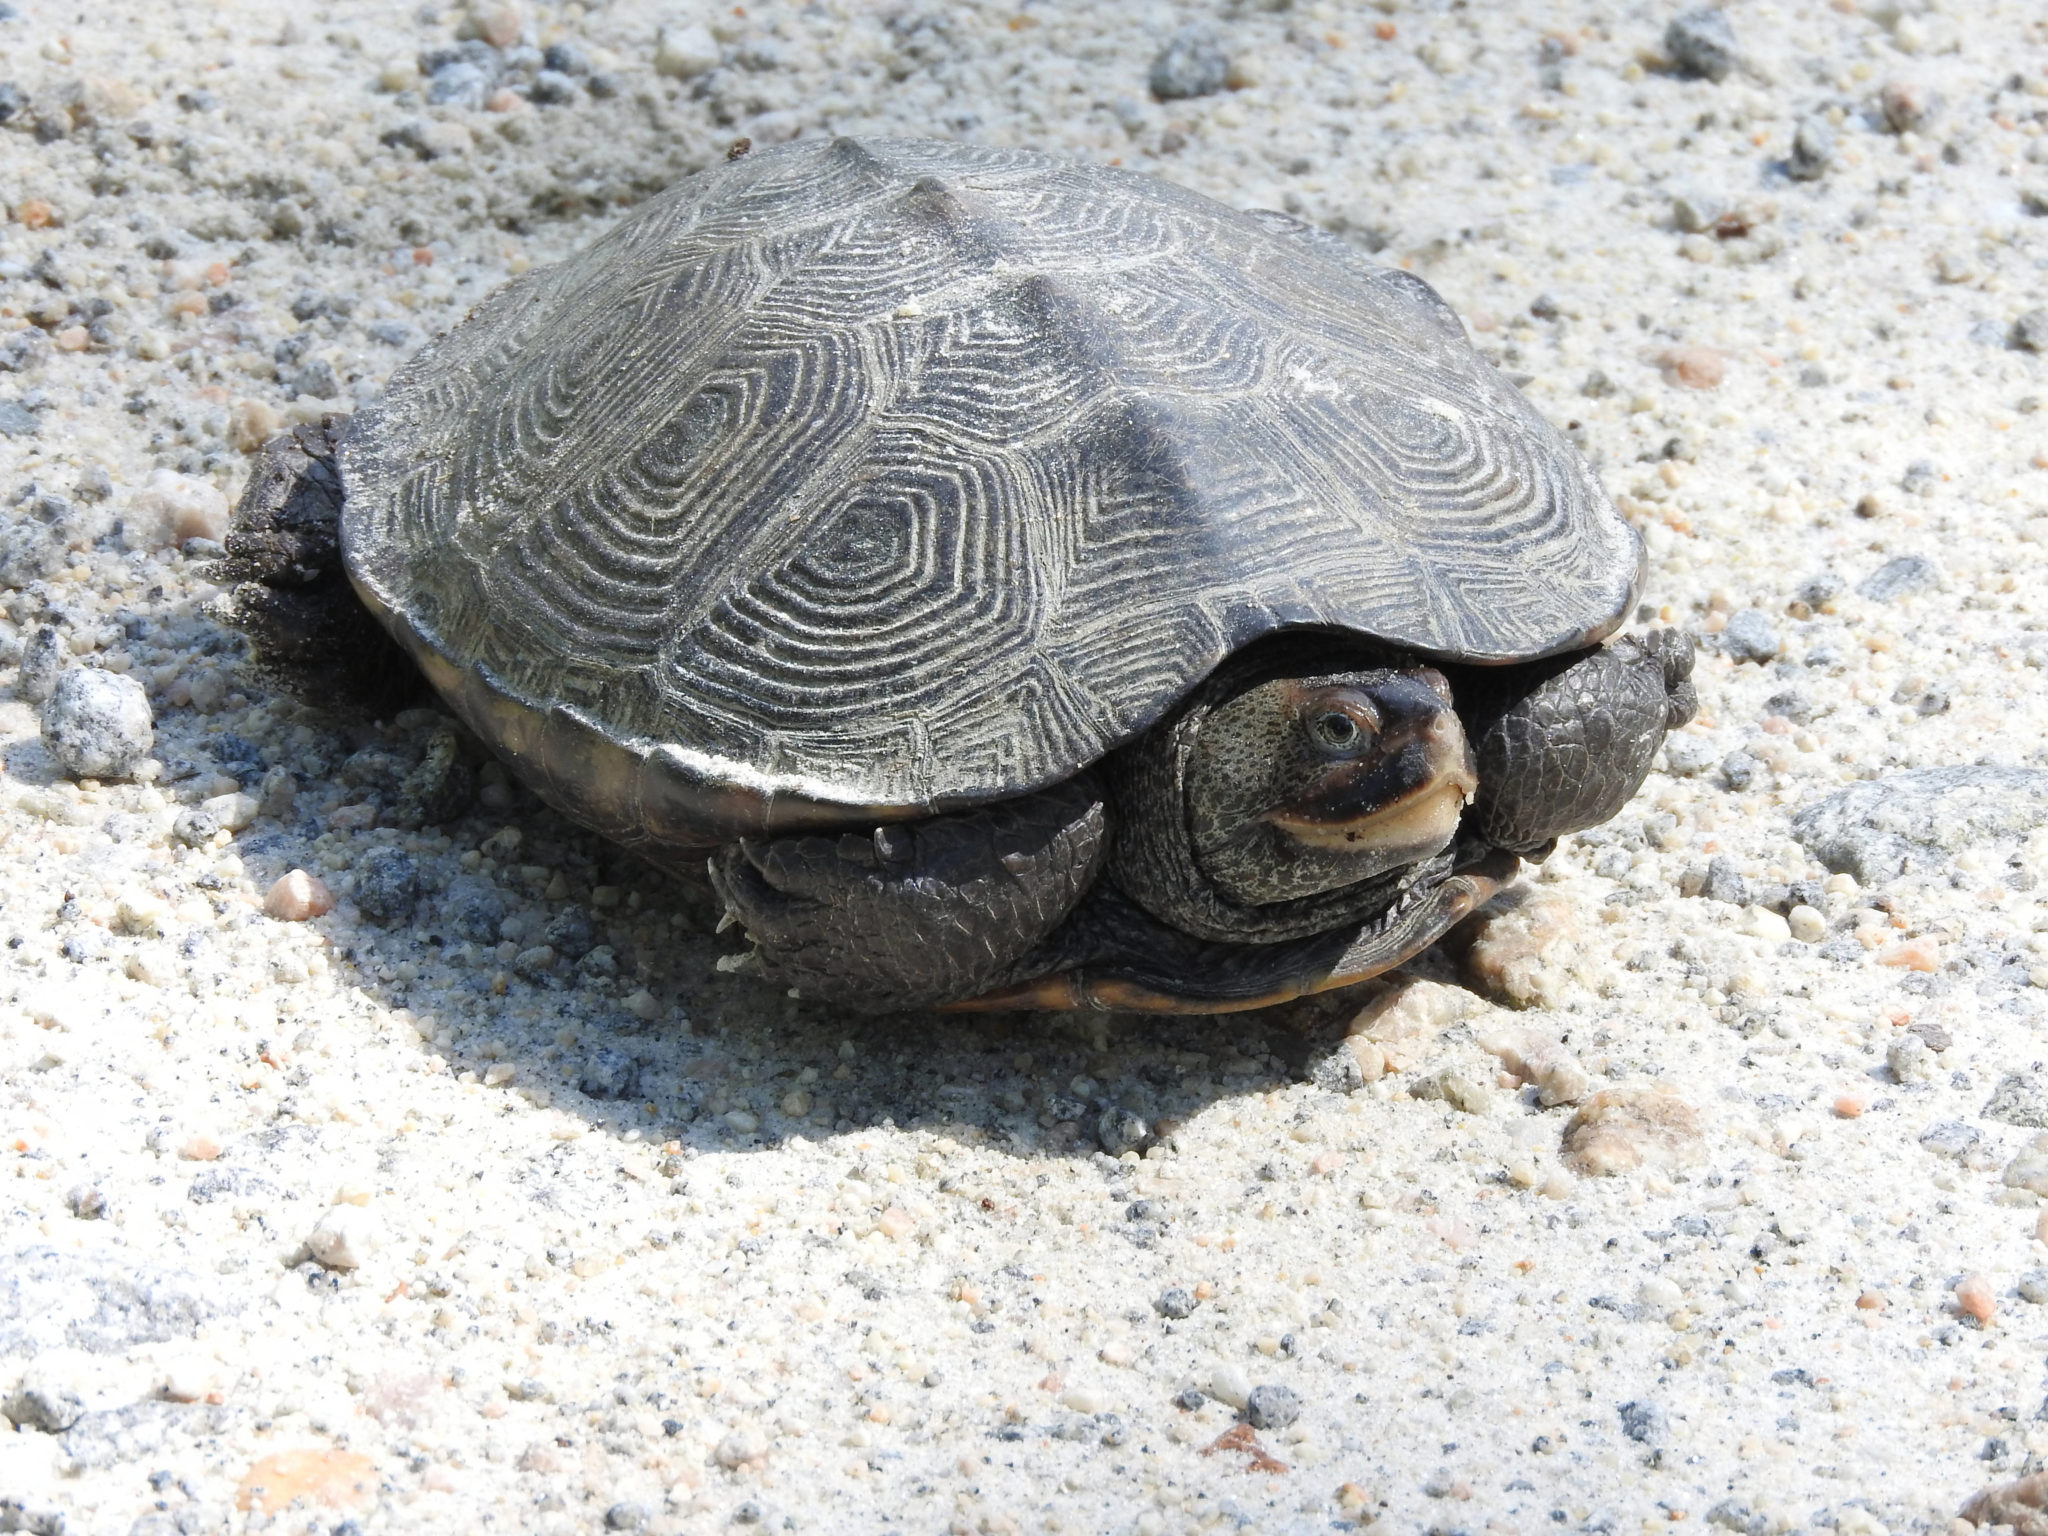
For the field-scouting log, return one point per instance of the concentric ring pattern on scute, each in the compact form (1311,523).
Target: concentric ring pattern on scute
(888,475)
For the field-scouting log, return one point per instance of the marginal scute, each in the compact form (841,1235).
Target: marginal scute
(862,479)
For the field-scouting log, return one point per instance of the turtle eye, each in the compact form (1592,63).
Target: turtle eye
(1336,730)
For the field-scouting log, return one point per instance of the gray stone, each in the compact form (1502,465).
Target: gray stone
(625,1517)
(472,907)
(17,420)
(570,932)
(1644,1421)
(610,1074)
(1743,771)
(1919,820)
(1272,1407)
(1725,882)
(49,1404)
(195,828)
(1824,588)
(1685,756)
(1701,42)
(1749,636)
(2020,1098)
(387,883)
(120,1435)
(2030,331)
(99,1305)
(1898,578)
(97,725)
(1950,1138)
(1174,1303)
(1192,63)
(1121,1130)
(1813,150)
(41,660)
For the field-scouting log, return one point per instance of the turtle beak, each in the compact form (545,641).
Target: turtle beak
(1400,786)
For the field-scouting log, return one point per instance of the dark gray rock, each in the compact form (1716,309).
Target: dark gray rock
(99,1305)
(1903,577)
(51,1406)
(1919,820)
(194,827)
(1701,42)
(387,883)
(472,909)
(1744,772)
(1192,63)
(1748,636)
(42,659)
(2030,331)
(570,933)
(97,725)
(1644,1421)
(2020,1098)
(1175,1303)
(1272,1407)
(1121,1130)
(1725,882)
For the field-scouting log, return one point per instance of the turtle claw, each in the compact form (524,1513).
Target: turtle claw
(729,918)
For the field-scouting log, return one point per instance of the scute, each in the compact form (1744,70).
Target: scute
(852,480)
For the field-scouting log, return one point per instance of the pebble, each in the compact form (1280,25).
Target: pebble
(2016,1506)
(1121,1130)
(1921,819)
(1906,105)
(683,53)
(296,897)
(1748,636)
(2029,1170)
(1693,367)
(2020,1098)
(1405,1019)
(1910,1061)
(2033,1286)
(1901,577)
(42,659)
(1175,1303)
(1193,63)
(2030,331)
(625,1517)
(44,1400)
(1806,924)
(174,508)
(1813,150)
(1229,1385)
(1974,1299)
(386,883)
(1763,923)
(1620,1129)
(1645,1422)
(1701,42)
(98,725)
(740,1448)
(344,1238)
(1523,951)
(195,827)
(1271,1407)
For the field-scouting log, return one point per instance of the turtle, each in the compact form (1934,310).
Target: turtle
(1021,583)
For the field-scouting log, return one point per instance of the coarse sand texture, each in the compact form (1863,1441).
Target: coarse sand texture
(381,1153)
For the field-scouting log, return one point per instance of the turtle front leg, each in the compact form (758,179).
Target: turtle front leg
(1570,752)
(915,913)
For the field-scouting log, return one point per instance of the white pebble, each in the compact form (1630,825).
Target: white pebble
(1763,923)
(1910,1060)
(685,52)
(1228,1384)
(234,812)
(344,1239)
(741,1447)
(1806,925)
(174,508)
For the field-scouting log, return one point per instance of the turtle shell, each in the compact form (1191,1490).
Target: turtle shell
(856,479)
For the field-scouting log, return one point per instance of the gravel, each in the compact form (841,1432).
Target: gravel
(1193,63)
(98,725)
(1702,42)
(802,1264)
(1271,1407)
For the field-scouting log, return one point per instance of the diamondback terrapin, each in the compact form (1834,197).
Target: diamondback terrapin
(1030,584)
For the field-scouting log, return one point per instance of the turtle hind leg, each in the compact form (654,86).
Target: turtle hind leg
(287,590)
(1570,751)
(915,913)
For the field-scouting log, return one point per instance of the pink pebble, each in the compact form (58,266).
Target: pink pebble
(296,897)
(1974,1298)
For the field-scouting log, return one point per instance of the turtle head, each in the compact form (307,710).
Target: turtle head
(1303,784)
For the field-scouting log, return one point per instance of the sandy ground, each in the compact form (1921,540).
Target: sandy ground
(1702,1187)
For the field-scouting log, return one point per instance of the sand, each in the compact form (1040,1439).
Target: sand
(1701,1185)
